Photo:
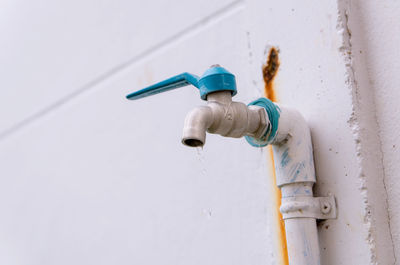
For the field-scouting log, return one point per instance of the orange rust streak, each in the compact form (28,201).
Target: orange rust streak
(270,69)
(281,223)
(270,92)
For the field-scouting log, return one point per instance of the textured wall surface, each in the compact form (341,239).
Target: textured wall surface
(376,38)
(88,177)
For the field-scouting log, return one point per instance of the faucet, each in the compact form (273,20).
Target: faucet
(224,117)
(221,115)
(261,122)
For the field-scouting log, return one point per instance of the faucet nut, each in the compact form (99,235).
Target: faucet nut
(263,122)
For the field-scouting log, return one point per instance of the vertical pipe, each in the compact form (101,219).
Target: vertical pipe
(303,249)
(301,233)
(279,225)
(295,174)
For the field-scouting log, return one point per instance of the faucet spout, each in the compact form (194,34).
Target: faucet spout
(196,124)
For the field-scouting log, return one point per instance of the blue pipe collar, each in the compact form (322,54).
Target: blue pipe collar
(273,113)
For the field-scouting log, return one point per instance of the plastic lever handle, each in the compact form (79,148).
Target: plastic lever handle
(174,82)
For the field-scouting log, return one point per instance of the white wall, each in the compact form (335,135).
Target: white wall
(88,177)
(376,41)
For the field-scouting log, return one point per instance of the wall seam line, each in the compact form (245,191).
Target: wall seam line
(202,23)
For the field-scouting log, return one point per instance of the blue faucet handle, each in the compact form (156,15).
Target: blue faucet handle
(174,82)
(213,80)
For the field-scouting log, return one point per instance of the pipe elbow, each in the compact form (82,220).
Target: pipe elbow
(291,125)
(196,124)
(293,150)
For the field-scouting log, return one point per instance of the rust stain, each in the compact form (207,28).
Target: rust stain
(281,233)
(269,71)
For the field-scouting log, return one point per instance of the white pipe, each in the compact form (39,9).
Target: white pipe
(295,173)
(302,241)
(301,233)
